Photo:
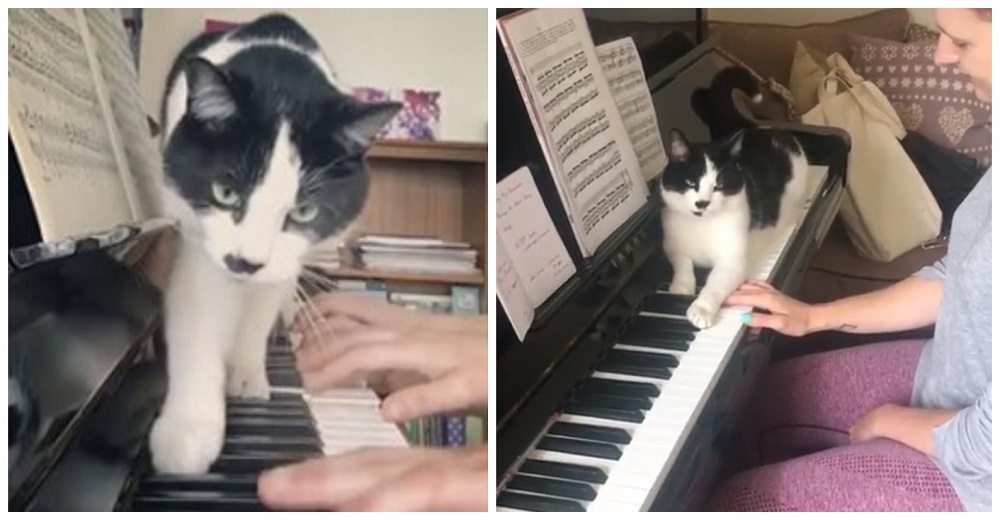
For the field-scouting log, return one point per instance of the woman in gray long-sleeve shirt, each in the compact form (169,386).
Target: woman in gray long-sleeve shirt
(900,426)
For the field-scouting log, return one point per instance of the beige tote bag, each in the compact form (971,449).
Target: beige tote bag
(888,208)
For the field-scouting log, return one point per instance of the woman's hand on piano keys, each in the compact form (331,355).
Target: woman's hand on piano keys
(383,479)
(426,363)
(784,314)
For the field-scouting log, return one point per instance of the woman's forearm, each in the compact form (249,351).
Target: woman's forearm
(909,304)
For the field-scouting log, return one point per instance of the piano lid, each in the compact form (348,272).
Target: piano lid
(79,310)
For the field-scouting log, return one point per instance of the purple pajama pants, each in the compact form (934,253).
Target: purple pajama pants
(797,439)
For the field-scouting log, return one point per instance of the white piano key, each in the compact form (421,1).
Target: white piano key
(635,478)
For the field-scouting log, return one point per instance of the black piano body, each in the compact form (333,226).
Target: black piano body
(577,326)
(86,360)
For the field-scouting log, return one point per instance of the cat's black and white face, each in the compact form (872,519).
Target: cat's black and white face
(267,158)
(701,181)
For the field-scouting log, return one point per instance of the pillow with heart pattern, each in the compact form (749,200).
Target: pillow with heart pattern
(936,101)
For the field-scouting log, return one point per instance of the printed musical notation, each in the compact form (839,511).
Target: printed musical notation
(575,114)
(525,226)
(60,132)
(141,152)
(623,68)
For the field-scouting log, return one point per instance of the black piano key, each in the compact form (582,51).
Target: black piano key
(674,304)
(565,470)
(600,450)
(665,343)
(211,482)
(198,502)
(614,367)
(276,400)
(255,463)
(249,444)
(632,357)
(611,401)
(622,388)
(537,503)
(265,426)
(285,377)
(662,333)
(655,324)
(267,412)
(633,416)
(556,488)
(591,432)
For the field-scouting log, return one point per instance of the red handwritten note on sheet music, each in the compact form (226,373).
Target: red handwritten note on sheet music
(513,296)
(536,251)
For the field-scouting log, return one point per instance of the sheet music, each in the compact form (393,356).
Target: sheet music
(141,152)
(535,248)
(585,142)
(58,128)
(627,80)
(512,294)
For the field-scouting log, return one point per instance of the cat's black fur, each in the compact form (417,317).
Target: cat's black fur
(755,160)
(715,105)
(269,84)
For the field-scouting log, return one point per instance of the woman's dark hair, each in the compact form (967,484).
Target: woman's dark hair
(984,14)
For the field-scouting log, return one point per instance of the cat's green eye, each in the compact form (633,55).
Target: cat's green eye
(304,213)
(692,184)
(224,195)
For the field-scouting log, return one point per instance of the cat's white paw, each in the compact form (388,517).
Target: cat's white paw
(186,444)
(682,285)
(702,314)
(247,381)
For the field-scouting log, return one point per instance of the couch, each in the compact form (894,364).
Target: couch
(780,56)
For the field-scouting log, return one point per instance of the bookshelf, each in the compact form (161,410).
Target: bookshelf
(426,188)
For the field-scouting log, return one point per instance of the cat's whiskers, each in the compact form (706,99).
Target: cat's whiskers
(318,325)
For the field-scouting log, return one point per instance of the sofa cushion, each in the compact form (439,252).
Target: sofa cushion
(809,68)
(769,48)
(936,101)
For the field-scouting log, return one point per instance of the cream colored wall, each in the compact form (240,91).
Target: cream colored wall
(443,49)
(781,16)
(784,16)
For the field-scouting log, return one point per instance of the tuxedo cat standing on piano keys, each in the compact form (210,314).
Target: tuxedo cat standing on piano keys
(724,201)
(264,159)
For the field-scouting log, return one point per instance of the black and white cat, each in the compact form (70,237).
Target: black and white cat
(723,204)
(264,159)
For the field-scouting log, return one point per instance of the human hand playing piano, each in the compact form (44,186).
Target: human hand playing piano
(383,479)
(425,363)
(784,314)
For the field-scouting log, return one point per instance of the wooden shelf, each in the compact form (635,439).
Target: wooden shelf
(408,276)
(440,151)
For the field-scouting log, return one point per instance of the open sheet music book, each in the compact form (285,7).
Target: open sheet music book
(572,109)
(532,261)
(77,122)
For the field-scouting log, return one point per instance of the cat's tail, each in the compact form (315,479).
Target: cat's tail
(718,108)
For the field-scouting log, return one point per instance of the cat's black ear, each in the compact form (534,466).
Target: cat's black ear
(678,149)
(210,96)
(363,121)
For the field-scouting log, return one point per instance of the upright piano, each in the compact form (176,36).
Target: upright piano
(86,377)
(614,401)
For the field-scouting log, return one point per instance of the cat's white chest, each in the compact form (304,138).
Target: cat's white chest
(705,240)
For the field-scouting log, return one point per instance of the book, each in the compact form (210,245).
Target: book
(574,114)
(77,122)
(532,260)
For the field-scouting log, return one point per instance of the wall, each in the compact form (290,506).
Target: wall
(367,47)
(777,16)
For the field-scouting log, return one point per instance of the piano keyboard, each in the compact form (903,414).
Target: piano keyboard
(622,428)
(290,427)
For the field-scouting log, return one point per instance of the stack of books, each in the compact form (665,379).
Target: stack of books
(419,254)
